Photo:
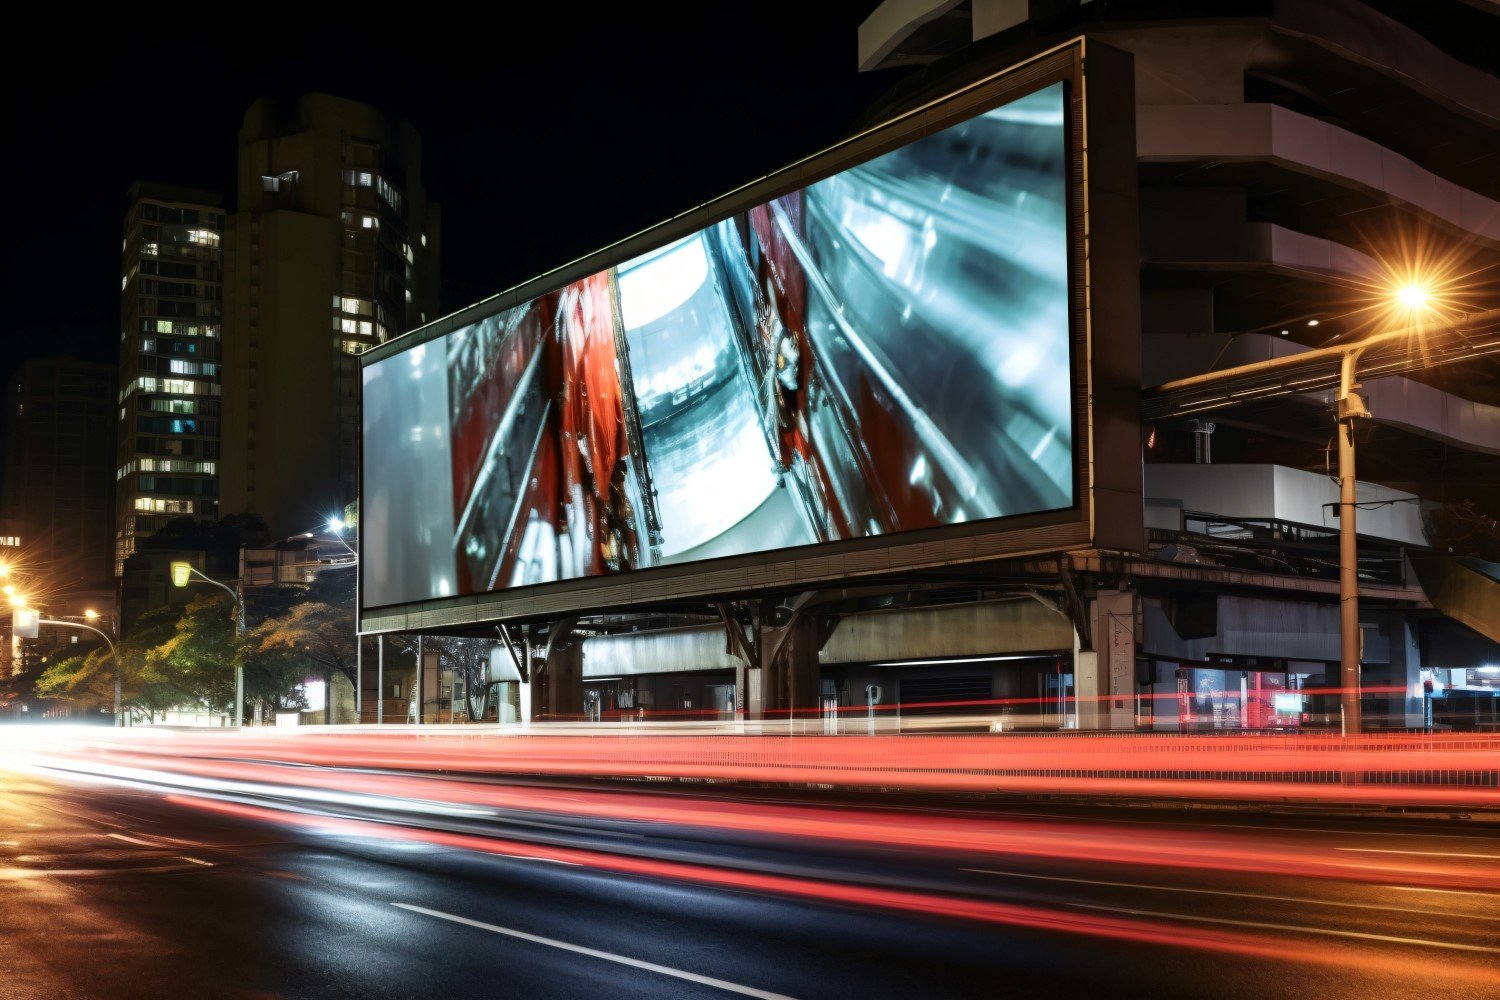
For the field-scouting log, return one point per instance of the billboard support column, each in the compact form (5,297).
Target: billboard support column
(1085,686)
(789,660)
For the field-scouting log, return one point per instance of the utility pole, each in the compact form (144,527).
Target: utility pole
(1350,408)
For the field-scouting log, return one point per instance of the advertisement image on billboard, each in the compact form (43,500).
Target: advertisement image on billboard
(884,350)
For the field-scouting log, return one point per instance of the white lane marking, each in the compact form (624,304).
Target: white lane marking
(196,861)
(1425,854)
(1262,925)
(531,857)
(1448,892)
(635,963)
(130,840)
(1239,895)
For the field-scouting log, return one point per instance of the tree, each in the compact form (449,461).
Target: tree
(272,677)
(221,541)
(200,654)
(146,686)
(321,634)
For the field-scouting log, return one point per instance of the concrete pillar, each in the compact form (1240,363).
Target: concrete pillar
(559,687)
(1086,690)
(789,670)
(1114,643)
(1104,679)
(1397,708)
(524,692)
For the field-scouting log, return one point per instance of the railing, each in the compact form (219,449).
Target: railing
(1280,547)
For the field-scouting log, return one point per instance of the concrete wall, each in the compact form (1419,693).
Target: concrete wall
(678,650)
(988,628)
(1283,494)
(1254,626)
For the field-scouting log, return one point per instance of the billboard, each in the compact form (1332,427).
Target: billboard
(890,348)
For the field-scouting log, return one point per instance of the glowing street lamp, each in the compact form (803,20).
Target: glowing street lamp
(91,614)
(1413,297)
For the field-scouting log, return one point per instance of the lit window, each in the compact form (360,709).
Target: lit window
(163,326)
(183,367)
(365,222)
(349,326)
(352,347)
(364,178)
(149,249)
(148,344)
(366,328)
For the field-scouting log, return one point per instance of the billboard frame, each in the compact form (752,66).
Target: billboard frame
(1105,382)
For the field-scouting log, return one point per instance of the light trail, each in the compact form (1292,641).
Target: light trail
(1162,933)
(1432,771)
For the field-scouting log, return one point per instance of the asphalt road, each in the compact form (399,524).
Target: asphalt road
(132,890)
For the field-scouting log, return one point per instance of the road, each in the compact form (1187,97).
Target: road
(152,886)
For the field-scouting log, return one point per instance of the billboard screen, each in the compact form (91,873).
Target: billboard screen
(886,349)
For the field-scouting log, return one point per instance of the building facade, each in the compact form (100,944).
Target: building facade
(58,492)
(333,248)
(171,303)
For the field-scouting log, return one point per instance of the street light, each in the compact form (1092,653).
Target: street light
(337,525)
(182,574)
(93,615)
(1413,297)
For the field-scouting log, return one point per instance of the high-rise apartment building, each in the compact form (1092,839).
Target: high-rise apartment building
(57,455)
(332,249)
(171,295)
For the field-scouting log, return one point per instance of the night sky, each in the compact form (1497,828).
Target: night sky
(542,141)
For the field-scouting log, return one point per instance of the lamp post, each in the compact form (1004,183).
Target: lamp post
(93,615)
(182,574)
(337,525)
